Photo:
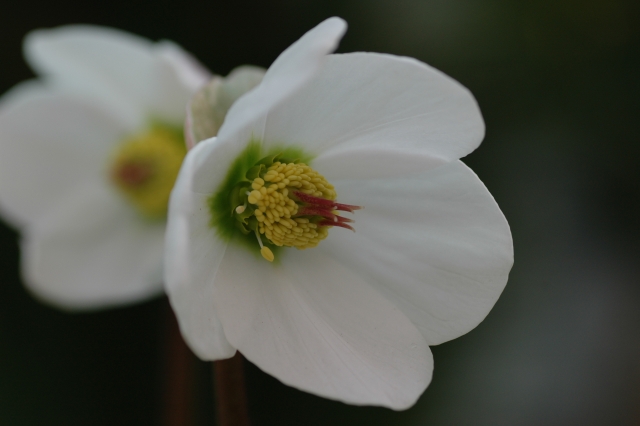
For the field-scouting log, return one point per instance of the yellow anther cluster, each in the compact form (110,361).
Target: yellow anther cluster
(275,210)
(145,167)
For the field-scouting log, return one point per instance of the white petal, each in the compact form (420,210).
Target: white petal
(192,255)
(175,78)
(290,71)
(363,101)
(436,244)
(119,68)
(316,325)
(49,143)
(93,251)
(101,62)
(301,61)
(191,73)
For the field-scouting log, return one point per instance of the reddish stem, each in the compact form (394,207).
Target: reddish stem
(178,375)
(230,392)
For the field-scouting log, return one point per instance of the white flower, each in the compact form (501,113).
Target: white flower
(352,318)
(88,155)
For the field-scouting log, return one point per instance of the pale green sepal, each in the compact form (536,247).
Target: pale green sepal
(210,105)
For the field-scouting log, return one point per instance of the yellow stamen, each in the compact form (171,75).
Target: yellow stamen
(275,211)
(267,253)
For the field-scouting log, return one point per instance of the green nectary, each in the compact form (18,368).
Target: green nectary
(250,163)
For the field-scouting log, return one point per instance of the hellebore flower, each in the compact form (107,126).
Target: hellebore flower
(350,315)
(89,154)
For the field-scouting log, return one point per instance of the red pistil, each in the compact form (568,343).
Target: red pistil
(344,219)
(322,207)
(340,224)
(323,202)
(319,211)
(316,211)
(346,207)
(133,174)
(317,201)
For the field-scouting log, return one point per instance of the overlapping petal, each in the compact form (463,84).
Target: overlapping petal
(50,141)
(91,251)
(363,102)
(189,71)
(436,244)
(295,67)
(191,263)
(315,324)
(128,72)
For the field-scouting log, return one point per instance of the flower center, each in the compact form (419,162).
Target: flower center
(145,166)
(288,203)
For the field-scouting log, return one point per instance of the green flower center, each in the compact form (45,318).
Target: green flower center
(277,200)
(145,167)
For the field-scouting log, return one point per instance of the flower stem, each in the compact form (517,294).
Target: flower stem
(178,376)
(230,392)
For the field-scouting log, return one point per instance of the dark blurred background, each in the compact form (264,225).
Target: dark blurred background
(558,82)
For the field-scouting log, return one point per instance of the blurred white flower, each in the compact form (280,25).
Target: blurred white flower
(352,318)
(88,156)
